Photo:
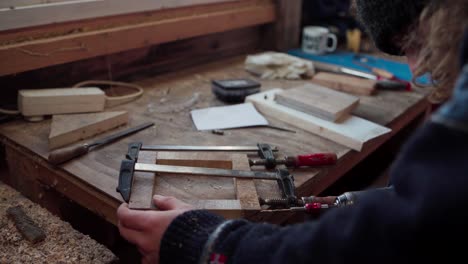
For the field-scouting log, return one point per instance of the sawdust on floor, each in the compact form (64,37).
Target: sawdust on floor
(62,244)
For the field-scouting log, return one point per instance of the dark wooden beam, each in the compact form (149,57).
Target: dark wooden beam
(125,66)
(288,24)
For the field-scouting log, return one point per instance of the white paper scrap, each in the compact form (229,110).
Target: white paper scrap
(224,117)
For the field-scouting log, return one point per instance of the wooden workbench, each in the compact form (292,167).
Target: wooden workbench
(91,180)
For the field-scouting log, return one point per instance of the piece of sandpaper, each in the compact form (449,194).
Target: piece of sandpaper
(225,117)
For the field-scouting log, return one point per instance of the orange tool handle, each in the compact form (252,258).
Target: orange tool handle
(318,159)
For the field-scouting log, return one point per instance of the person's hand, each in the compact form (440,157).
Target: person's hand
(146,228)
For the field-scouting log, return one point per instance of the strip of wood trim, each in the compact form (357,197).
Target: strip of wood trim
(20,16)
(18,36)
(36,54)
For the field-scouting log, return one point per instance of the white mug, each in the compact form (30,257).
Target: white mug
(315,40)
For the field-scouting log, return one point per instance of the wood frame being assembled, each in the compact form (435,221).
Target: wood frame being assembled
(233,197)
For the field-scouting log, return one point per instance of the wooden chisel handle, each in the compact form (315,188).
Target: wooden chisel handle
(383,73)
(59,156)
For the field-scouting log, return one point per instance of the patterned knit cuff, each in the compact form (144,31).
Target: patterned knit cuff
(184,240)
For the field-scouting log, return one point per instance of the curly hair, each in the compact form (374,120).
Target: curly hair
(436,36)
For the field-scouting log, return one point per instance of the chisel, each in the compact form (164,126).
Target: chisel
(65,154)
(381,79)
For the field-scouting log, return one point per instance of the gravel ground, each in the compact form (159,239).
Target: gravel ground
(62,244)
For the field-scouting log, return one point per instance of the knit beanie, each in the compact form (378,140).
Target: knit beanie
(385,19)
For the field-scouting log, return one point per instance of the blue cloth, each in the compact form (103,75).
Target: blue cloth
(345,59)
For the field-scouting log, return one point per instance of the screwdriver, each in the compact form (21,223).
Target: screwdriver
(309,160)
(314,209)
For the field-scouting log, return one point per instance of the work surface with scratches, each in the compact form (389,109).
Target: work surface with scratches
(91,180)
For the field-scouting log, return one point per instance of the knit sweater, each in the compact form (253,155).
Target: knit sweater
(420,221)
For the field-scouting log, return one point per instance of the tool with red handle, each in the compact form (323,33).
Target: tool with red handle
(309,160)
(312,209)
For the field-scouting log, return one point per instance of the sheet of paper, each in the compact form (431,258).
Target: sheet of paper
(224,117)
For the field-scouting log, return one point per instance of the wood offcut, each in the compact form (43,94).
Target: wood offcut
(67,129)
(344,83)
(25,225)
(319,101)
(352,132)
(42,102)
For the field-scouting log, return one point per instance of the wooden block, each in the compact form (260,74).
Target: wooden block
(60,101)
(345,83)
(352,132)
(246,192)
(318,101)
(67,129)
(143,183)
(25,225)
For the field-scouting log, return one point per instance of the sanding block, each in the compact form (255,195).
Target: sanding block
(43,102)
(234,90)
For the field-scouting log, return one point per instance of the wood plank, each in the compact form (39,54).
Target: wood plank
(319,101)
(48,12)
(60,101)
(352,132)
(57,50)
(67,129)
(125,66)
(66,29)
(287,28)
(246,191)
(48,186)
(344,83)
(229,209)
(19,3)
(143,184)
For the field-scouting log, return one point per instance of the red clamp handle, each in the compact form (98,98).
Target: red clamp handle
(319,159)
(313,208)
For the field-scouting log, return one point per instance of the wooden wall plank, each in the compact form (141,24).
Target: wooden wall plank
(288,25)
(33,13)
(128,65)
(20,3)
(18,36)
(35,54)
